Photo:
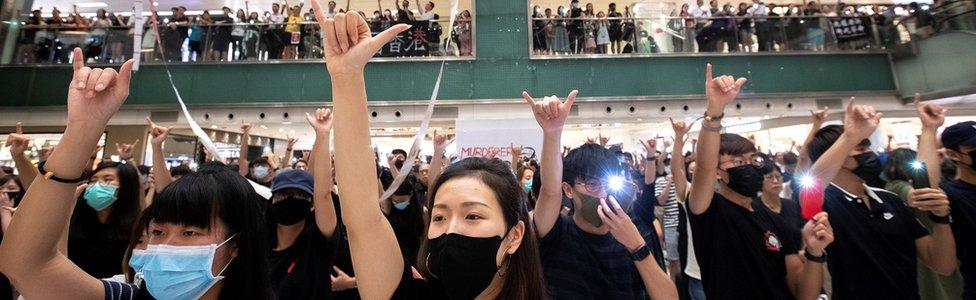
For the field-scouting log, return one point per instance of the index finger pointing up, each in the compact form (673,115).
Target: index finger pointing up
(708,72)
(20,128)
(77,59)
(528,99)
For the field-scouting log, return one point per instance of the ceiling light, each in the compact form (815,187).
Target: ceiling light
(92,4)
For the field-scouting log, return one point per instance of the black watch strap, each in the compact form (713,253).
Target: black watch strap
(940,220)
(641,253)
(51,176)
(819,260)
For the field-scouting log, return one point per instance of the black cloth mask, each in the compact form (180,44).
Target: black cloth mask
(290,211)
(745,180)
(464,265)
(869,169)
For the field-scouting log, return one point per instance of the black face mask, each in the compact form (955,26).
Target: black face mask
(398,164)
(14,197)
(290,211)
(869,169)
(745,180)
(464,265)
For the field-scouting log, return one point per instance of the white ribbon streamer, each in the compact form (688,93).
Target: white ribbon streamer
(422,132)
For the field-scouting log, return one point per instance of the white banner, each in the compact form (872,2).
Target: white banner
(483,137)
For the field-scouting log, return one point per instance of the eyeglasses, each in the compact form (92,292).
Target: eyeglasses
(596,185)
(774,177)
(738,162)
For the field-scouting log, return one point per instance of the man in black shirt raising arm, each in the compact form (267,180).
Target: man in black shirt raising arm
(959,141)
(743,251)
(878,238)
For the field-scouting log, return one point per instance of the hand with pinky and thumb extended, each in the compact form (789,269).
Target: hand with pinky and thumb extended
(94,94)
(348,44)
(721,91)
(550,112)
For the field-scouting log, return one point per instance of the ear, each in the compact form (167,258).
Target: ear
(953,154)
(567,190)
(515,237)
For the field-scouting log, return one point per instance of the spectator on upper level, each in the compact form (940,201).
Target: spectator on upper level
(426,11)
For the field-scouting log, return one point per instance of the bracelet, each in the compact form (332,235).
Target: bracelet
(713,118)
(51,176)
(821,259)
(940,220)
(710,128)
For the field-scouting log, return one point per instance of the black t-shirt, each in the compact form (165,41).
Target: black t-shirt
(742,253)
(873,255)
(94,247)
(303,271)
(790,212)
(962,201)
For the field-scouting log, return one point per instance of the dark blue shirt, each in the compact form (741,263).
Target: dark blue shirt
(962,200)
(873,255)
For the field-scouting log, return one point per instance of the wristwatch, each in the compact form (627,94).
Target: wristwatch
(713,118)
(947,219)
(641,253)
(819,260)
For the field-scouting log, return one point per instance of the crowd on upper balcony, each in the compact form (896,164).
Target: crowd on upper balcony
(701,27)
(283,32)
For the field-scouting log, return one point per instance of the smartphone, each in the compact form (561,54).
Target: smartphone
(920,175)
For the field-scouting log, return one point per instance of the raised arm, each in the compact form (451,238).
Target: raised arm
(18,143)
(375,253)
(719,91)
(286,162)
(551,115)
(678,159)
(818,118)
(859,122)
(160,171)
(806,279)
(242,163)
(325,216)
(29,253)
(938,250)
(516,152)
(437,161)
(650,163)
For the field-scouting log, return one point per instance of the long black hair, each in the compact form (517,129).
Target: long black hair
(125,209)
(215,192)
(523,274)
(11,177)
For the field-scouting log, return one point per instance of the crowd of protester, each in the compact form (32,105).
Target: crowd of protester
(701,27)
(284,32)
(722,220)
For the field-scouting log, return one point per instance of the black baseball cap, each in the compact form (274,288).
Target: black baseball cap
(959,134)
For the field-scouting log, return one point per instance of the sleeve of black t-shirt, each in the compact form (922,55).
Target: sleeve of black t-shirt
(547,242)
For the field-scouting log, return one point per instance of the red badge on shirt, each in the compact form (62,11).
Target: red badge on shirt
(772,241)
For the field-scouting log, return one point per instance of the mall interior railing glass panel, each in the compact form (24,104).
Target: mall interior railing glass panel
(598,37)
(222,43)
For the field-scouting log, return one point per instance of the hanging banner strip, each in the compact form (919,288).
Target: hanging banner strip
(418,139)
(261,190)
(137,33)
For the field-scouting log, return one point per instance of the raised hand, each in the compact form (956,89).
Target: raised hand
(441,141)
(819,116)
(391,160)
(125,150)
(590,140)
(721,91)
(6,202)
(929,199)
(158,133)
(516,150)
(818,233)
(860,120)
(621,227)
(94,95)
(932,115)
(291,143)
(650,146)
(320,120)
(245,127)
(603,140)
(348,45)
(550,112)
(17,141)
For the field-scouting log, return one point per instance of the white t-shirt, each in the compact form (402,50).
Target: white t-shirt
(692,269)
(427,16)
(758,9)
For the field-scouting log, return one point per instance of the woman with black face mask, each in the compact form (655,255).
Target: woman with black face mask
(303,244)
(479,241)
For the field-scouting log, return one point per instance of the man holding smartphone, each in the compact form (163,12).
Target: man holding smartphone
(959,141)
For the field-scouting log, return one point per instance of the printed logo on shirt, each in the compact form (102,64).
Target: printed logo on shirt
(888,215)
(772,242)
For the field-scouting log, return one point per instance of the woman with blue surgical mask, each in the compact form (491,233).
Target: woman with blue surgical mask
(101,224)
(206,234)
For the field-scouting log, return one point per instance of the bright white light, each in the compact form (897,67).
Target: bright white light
(917,165)
(615,183)
(807,181)
(92,4)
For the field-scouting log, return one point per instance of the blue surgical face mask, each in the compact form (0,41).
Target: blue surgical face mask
(100,195)
(261,172)
(527,186)
(402,205)
(177,272)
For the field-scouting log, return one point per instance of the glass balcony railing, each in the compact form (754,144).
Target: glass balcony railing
(227,42)
(594,37)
